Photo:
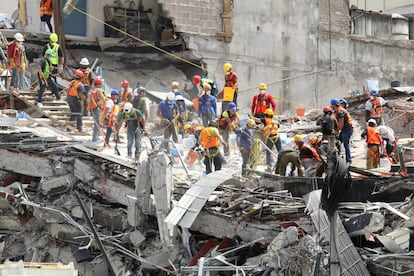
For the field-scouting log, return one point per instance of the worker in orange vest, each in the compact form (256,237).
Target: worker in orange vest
(87,81)
(95,100)
(46,13)
(210,141)
(373,107)
(374,144)
(228,121)
(75,96)
(108,116)
(271,132)
(344,129)
(308,155)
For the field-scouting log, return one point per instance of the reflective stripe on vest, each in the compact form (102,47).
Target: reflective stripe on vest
(55,58)
(94,96)
(45,8)
(73,88)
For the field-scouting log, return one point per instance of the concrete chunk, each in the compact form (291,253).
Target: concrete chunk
(57,185)
(136,238)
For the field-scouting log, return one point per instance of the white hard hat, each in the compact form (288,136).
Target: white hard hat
(179,98)
(84,61)
(128,107)
(372,121)
(170,96)
(19,37)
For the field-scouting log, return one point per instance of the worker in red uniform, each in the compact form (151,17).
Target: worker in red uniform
(15,52)
(231,81)
(261,102)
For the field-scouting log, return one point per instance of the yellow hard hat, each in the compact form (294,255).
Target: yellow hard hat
(269,112)
(262,86)
(227,67)
(251,123)
(187,127)
(298,138)
(53,37)
(206,86)
(175,84)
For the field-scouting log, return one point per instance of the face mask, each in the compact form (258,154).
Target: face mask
(208,93)
(262,92)
(170,102)
(371,97)
(227,73)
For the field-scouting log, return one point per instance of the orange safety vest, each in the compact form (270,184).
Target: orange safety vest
(268,121)
(209,140)
(46,8)
(223,123)
(94,95)
(271,129)
(373,137)
(85,78)
(230,80)
(73,88)
(125,95)
(347,119)
(376,108)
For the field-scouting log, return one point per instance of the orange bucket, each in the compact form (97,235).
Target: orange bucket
(191,158)
(300,112)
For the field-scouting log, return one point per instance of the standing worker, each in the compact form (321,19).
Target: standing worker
(345,128)
(140,102)
(87,81)
(207,106)
(57,59)
(75,97)
(108,117)
(374,144)
(271,132)
(95,100)
(45,78)
(210,141)
(328,125)
(245,143)
(46,13)
(231,85)
(15,52)
(228,119)
(168,112)
(373,107)
(199,82)
(135,125)
(261,102)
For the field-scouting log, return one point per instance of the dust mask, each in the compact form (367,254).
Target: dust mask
(371,97)
(175,90)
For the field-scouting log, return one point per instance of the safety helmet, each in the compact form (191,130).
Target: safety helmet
(213,123)
(327,109)
(262,86)
(128,107)
(196,79)
(335,101)
(19,37)
(231,106)
(314,140)
(114,92)
(79,74)
(372,121)
(344,102)
(98,81)
(124,83)
(227,67)
(175,85)
(84,61)
(269,112)
(49,52)
(298,138)
(141,89)
(186,127)
(251,123)
(179,98)
(170,96)
(53,37)
(373,92)
(206,86)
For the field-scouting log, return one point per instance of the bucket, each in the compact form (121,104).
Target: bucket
(191,158)
(395,84)
(300,112)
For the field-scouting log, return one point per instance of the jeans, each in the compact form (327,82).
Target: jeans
(345,137)
(15,78)
(76,111)
(96,114)
(226,135)
(134,136)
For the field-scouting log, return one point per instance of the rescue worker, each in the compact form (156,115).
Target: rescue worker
(126,94)
(227,123)
(57,59)
(230,80)
(288,155)
(271,132)
(344,103)
(328,125)
(175,86)
(373,107)
(168,112)
(210,141)
(200,81)
(75,96)
(95,100)
(207,106)
(87,81)
(374,144)
(46,13)
(321,147)
(45,78)
(135,125)
(345,128)
(387,135)
(140,101)
(193,129)
(108,117)
(308,156)
(17,60)
(183,113)
(245,135)
(261,102)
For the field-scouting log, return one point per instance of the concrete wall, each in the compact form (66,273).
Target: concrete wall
(371,24)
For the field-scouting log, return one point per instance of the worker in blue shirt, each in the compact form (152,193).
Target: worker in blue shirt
(245,143)
(168,111)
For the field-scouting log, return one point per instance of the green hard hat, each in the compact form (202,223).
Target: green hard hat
(49,52)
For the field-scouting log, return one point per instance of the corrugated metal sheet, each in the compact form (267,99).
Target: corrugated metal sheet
(192,202)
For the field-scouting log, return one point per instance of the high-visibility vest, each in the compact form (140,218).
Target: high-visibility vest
(85,78)
(376,108)
(55,58)
(94,95)
(373,137)
(73,88)
(46,70)
(347,119)
(209,140)
(271,129)
(46,8)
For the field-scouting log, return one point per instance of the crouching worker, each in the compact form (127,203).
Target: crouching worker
(245,143)
(134,122)
(286,156)
(308,156)
(210,141)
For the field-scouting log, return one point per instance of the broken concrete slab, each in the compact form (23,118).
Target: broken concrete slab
(26,164)
(136,238)
(53,186)
(114,219)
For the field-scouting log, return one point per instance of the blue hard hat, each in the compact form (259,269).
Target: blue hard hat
(231,106)
(114,92)
(345,102)
(374,92)
(335,101)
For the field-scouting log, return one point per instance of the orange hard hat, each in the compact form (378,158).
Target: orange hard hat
(98,81)
(124,83)
(79,74)
(196,79)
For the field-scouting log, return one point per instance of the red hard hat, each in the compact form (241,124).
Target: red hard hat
(79,74)
(98,81)
(124,83)
(327,109)
(196,79)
